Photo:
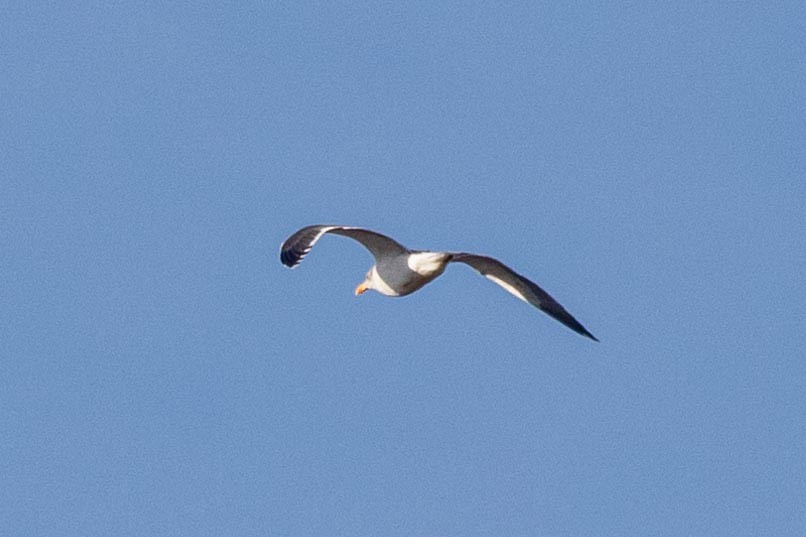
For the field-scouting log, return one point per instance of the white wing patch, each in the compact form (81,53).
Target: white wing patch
(506,286)
(427,263)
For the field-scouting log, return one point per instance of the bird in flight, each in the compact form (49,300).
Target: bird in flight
(399,271)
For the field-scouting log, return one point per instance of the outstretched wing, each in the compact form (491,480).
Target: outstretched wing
(522,288)
(297,246)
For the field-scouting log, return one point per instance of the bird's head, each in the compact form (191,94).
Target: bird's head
(366,285)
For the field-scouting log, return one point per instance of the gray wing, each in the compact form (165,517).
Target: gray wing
(522,288)
(300,243)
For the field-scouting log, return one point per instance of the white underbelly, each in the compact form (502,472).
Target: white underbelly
(381,286)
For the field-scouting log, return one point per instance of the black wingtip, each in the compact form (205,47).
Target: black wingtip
(577,327)
(289,258)
(561,314)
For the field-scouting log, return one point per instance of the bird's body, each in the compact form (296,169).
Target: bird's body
(403,274)
(399,271)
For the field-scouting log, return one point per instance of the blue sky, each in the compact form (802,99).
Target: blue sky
(161,373)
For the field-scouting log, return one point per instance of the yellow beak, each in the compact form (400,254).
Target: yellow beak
(361,289)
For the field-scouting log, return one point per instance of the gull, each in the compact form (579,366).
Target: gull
(399,271)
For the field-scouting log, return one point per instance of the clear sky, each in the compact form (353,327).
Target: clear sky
(161,373)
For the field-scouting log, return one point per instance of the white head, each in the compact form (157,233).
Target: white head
(367,284)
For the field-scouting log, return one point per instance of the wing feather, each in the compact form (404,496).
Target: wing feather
(522,288)
(297,246)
